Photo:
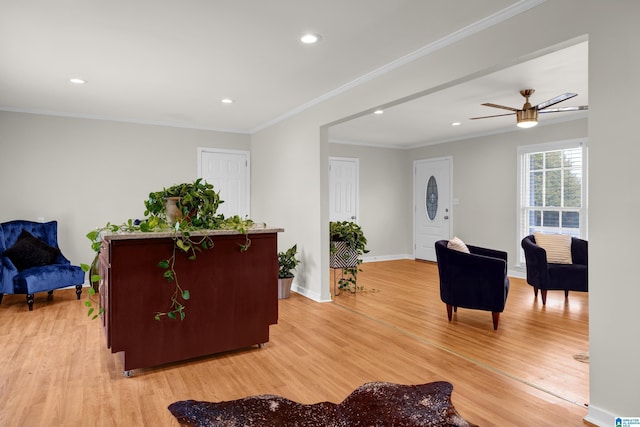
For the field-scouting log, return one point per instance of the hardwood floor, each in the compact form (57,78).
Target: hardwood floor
(56,369)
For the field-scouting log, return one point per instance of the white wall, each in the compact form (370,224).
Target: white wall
(385,201)
(84,173)
(614,203)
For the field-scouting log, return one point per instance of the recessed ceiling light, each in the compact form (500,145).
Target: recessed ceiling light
(227,101)
(378,112)
(77,81)
(310,38)
(456,124)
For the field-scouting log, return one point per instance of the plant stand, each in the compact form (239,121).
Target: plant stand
(342,257)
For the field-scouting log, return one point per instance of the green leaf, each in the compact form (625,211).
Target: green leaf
(186,294)
(168,275)
(87,303)
(192,257)
(182,315)
(171,315)
(91,291)
(85,267)
(90,312)
(164,263)
(181,245)
(157,316)
(92,235)
(94,317)
(95,278)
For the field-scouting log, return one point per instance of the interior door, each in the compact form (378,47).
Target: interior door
(432,205)
(343,189)
(228,171)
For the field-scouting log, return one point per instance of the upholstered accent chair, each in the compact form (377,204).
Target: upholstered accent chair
(477,280)
(545,275)
(31,261)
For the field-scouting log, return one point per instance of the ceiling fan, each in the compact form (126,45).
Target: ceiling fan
(528,116)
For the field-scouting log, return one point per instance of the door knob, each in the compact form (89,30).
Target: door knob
(446,217)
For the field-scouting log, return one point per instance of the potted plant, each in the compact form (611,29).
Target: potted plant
(194,202)
(197,204)
(287,262)
(347,246)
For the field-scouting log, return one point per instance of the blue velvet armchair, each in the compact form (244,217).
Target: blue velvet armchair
(476,280)
(31,262)
(546,276)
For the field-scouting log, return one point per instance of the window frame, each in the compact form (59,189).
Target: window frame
(523,181)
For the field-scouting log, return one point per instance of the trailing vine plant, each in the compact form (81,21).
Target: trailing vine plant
(197,204)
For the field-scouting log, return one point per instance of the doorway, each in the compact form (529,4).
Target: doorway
(228,171)
(343,189)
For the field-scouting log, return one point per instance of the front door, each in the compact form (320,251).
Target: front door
(432,205)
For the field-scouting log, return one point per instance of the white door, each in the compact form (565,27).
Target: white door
(432,205)
(343,189)
(228,171)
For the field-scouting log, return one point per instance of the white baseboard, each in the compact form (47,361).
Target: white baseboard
(306,293)
(519,274)
(600,417)
(386,258)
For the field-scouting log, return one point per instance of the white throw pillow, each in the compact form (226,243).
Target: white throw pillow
(557,246)
(458,245)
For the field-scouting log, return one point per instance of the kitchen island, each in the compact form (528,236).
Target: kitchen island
(233,295)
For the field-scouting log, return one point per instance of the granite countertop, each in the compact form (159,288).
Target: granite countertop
(257,229)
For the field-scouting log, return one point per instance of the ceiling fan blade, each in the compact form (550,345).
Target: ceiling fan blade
(564,109)
(554,101)
(488,117)
(488,104)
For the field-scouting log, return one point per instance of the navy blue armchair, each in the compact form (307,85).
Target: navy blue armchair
(476,280)
(547,276)
(31,262)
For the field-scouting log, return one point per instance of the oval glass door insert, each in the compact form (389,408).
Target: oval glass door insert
(432,198)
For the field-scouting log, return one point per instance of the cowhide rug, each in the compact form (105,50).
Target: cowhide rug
(373,404)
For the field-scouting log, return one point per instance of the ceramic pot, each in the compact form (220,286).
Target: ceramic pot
(171,209)
(284,287)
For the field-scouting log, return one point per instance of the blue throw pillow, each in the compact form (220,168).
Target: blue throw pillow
(29,251)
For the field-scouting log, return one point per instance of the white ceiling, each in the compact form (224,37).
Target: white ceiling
(167,62)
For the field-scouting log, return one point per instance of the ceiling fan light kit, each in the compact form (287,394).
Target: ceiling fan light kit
(527,117)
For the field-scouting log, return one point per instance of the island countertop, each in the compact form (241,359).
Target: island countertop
(126,235)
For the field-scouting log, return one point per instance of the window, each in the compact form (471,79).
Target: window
(552,189)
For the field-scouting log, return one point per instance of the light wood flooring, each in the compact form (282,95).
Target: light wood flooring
(55,369)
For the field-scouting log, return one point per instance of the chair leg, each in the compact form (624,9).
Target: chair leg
(30,301)
(49,295)
(1,295)
(535,292)
(78,291)
(543,292)
(566,294)
(496,318)
(449,311)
